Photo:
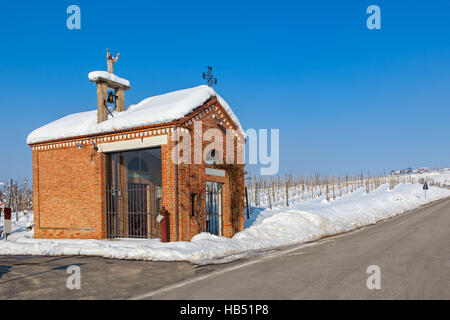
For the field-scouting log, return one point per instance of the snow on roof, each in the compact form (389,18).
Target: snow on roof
(96,75)
(154,110)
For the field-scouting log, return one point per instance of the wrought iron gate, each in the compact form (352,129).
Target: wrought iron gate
(133,193)
(131,213)
(214,208)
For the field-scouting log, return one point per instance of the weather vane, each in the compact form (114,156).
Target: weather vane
(209,77)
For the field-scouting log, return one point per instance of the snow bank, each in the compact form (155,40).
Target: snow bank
(271,228)
(154,110)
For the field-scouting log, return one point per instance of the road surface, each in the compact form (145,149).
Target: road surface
(412,252)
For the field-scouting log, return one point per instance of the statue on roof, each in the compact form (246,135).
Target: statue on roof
(110,60)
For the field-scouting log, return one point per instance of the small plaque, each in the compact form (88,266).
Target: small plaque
(215,172)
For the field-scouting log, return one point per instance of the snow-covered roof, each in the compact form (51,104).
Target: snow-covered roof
(154,110)
(98,75)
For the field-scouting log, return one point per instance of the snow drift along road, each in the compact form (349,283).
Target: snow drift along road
(299,223)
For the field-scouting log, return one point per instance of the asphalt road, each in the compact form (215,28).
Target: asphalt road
(412,252)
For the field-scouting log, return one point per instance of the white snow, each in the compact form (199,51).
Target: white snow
(437,176)
(96,75)
(154,110)
(302,222)
(19,228)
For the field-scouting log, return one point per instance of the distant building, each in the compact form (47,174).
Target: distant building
(409,171)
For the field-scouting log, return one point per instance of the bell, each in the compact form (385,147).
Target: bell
(111,97)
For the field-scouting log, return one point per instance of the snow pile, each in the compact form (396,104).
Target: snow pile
(154,110)
(96,75)
(302,222)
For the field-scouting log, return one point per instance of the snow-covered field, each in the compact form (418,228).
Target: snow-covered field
(267,229)
(441,177)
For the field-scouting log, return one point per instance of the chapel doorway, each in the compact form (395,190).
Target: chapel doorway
(133,193)
(214,223)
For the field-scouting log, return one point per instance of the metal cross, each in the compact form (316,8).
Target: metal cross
(209,77)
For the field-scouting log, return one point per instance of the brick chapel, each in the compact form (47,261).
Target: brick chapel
(107,173)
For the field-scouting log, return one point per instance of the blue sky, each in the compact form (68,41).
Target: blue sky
(345,98)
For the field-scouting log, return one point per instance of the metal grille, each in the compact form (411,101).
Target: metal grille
(131,213)
(214,208)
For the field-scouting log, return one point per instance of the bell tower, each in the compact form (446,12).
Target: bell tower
(108,80)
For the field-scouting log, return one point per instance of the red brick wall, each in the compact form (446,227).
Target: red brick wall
(67,189)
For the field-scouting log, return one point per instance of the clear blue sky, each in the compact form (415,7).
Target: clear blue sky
(345,98)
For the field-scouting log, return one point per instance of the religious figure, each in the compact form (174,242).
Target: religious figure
(110,60)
